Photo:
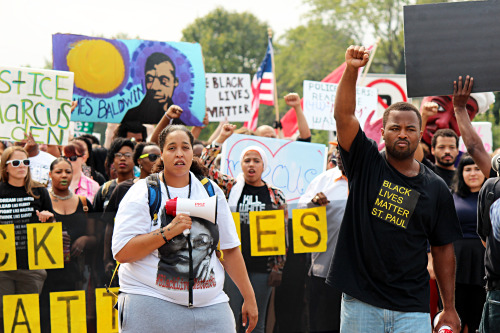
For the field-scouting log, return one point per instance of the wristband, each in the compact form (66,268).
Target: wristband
(163,235)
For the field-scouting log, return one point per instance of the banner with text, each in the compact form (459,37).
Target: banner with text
(292,165)
(120,80)
(37,101)
(319,101)
(229,96)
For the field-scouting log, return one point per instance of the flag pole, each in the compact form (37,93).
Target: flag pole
(367,67)
(276,107)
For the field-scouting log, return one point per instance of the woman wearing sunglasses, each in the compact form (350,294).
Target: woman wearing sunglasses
(80,184)
(22,201)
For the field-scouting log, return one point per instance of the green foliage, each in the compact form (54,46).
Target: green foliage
(231,42)
(371,18)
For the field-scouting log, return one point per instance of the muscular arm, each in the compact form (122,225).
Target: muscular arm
(471,139)
(235,267)
(345,100)
(444,269)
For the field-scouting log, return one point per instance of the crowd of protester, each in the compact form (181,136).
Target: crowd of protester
(82,185)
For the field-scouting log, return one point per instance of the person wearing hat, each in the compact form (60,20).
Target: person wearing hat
(248,192)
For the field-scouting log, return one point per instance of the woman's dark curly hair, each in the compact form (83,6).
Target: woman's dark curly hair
(196,167)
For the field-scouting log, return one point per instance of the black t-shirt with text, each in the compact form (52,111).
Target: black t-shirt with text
(252,199)
(19,208)
(381,256)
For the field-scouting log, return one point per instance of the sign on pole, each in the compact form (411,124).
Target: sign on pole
(36,101)
(229,96)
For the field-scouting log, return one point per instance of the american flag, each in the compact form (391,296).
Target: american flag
(262,87)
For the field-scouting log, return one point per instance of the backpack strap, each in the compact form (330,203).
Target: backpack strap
(207,184)
(491,196)
(154,196)
(83,199)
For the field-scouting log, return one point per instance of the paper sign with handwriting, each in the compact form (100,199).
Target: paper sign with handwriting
(37,101)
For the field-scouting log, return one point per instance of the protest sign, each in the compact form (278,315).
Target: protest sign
(267,233)
(483,129)
(391,88)
(229,96)
(8,245)
(37,101)
(292,165)
(21,313)
(319,101)
(310,232)
(45,245)
(438,50)
(67,312)
(107,315)
(132,80)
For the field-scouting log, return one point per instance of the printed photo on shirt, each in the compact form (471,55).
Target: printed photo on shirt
(173,267)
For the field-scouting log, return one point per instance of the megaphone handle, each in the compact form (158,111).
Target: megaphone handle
(186,232)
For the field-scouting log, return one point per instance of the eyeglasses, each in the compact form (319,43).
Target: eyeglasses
(16,163)
(126,155)
(72,158)
(152,157)
(202,241)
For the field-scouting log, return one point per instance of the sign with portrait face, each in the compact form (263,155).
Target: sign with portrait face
(119,80)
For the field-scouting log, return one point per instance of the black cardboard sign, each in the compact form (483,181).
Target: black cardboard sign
(446,40)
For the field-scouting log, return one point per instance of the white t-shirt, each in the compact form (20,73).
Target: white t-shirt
(40,167)
(164,272)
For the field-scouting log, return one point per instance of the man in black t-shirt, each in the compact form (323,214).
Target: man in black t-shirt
(395,206)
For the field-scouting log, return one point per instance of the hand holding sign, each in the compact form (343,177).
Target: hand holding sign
(44,216)
(356,56)
(461,93)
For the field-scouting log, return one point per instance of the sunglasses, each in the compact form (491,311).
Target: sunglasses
(16,163)
(152,157)
(72,158)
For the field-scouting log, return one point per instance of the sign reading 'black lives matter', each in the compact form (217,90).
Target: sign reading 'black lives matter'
(395,204)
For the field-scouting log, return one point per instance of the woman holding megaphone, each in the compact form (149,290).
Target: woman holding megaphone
(248,192)
(159,292)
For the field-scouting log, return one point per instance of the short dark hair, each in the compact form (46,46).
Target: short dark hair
(401,106)
(139,148)
(133,127)
(157,58)
(116,145)
(444,132)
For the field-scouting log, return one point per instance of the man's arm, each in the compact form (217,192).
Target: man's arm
(444,268)
(293,100)
(345,100)
(472,141)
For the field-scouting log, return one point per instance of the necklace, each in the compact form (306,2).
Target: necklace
(168,193)
(69,196)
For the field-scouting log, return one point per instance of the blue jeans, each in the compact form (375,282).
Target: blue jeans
(262,294)
(359,317)
(490,321)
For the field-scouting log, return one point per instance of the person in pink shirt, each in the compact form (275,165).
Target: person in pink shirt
(81,184)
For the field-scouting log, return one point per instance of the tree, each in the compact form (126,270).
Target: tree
(231,42)
(378,18)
